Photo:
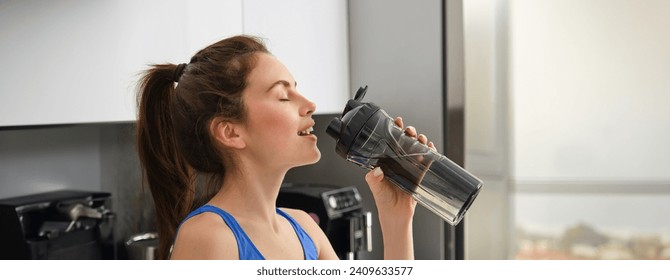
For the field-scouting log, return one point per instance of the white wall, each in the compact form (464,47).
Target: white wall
(590,90)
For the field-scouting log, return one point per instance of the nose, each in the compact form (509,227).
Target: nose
(308,107)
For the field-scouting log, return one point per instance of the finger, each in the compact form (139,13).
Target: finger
(398,121)
(432,146)
(410,131)
(422,139)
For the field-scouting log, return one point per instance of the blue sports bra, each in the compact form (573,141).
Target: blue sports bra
(246,249)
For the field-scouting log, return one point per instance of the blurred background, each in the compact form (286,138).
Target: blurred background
(565,112)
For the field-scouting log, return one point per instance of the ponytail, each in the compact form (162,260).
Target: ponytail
(170,179)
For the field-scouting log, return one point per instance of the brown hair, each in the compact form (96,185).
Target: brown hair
(173,139)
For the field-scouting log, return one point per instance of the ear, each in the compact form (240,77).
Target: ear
(227,133)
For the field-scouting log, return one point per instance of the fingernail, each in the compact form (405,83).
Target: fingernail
(377,171)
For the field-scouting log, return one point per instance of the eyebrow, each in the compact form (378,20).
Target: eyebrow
(282,82)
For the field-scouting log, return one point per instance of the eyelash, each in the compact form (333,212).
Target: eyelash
(284,99)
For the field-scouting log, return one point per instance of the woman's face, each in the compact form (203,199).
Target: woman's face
(279,120)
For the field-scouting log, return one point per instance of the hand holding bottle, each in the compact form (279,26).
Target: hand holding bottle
(395,206)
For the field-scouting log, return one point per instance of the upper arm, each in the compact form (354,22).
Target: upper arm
(205,236)
(323,246)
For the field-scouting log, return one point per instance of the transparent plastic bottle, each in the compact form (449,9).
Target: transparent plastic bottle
(366,135)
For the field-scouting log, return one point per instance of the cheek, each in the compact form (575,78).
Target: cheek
(273,123)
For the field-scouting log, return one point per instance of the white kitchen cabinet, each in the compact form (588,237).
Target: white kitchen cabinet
(311,39)
(78,61)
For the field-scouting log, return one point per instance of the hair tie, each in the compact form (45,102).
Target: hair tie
(178,71)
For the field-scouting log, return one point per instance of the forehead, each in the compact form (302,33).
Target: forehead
(267,71)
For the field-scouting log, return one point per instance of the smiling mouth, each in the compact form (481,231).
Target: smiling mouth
(306,132)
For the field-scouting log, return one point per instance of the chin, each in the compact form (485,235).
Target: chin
(317,157)
(313,158)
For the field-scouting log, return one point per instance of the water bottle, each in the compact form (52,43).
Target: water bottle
(367,136)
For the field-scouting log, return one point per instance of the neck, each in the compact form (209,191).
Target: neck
(251,192)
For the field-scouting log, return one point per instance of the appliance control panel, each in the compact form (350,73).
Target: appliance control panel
(342,200)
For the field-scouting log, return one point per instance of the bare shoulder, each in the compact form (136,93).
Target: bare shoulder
(205,236)
(321,242)
(300,216)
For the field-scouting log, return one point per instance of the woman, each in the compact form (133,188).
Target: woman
(235,122)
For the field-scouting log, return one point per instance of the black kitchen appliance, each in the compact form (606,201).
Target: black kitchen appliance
(63,224)
(338,211)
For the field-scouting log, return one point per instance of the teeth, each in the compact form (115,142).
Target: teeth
(306,131)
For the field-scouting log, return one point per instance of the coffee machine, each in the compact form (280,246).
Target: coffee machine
(338,211)
(65,224)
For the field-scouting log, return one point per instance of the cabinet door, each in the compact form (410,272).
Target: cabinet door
(310,38)
(78,61)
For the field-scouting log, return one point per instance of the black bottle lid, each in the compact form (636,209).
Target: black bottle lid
(345,129)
